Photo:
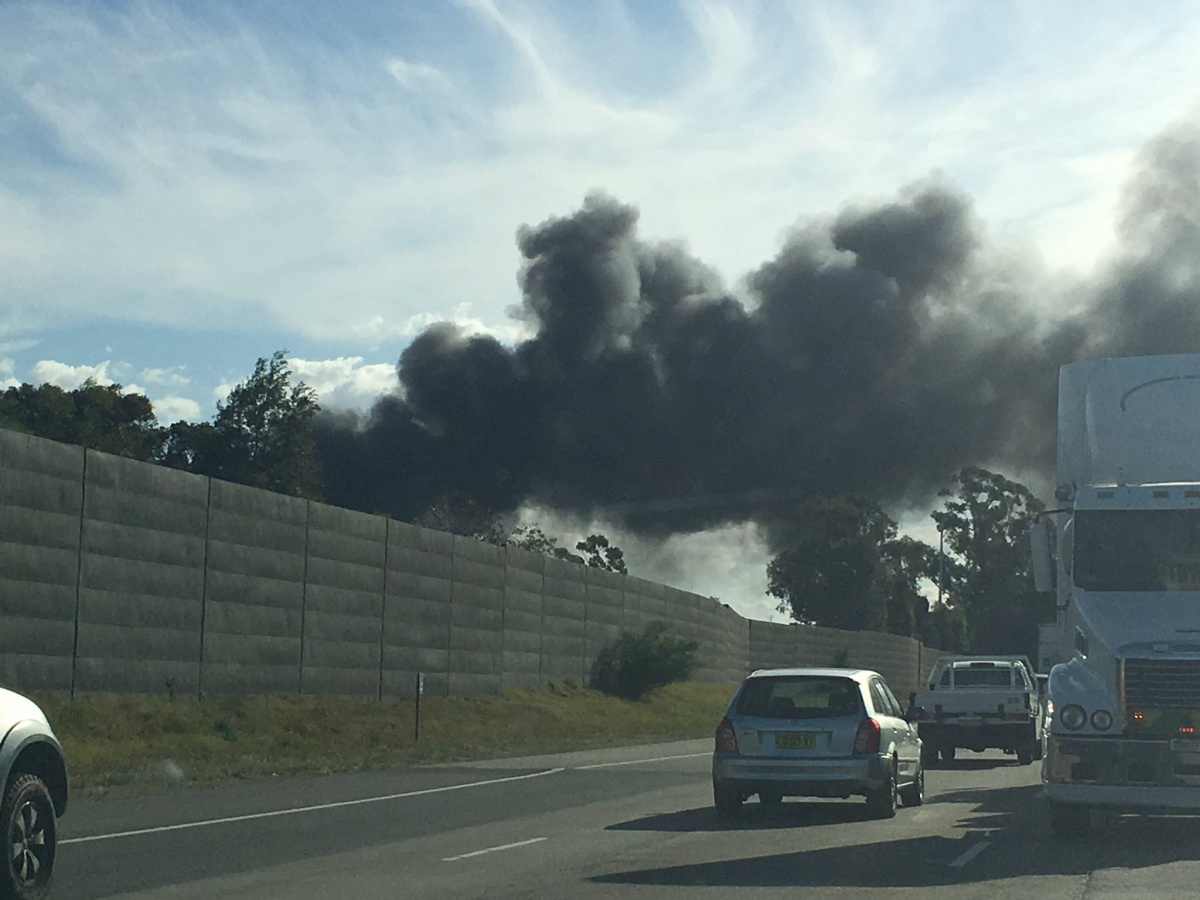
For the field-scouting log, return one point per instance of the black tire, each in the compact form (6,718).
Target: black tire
(27,815)
(914,794)
(882,802)
(726,800)
(1037,748)
(770,798)
(929,754)
(1025,752)
(948,754)
(1069,820)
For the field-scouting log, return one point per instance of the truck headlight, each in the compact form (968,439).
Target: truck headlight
(1073,716)
(1102,720)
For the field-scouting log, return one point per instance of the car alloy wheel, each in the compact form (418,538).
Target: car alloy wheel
(28,817)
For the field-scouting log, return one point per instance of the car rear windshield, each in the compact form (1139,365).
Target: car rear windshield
(799,697)
(992,676)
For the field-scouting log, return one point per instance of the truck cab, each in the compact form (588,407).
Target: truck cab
(1124,695)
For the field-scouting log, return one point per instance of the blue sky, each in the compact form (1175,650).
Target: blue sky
(187,187)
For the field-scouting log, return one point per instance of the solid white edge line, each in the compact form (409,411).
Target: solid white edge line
(303,809)
(970,854)
(634,762)
(493,849)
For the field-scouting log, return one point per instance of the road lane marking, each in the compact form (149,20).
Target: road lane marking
(970,854)
(493,849)
(303,809)
(634,762)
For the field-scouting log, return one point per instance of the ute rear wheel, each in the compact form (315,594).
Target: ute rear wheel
(1025,752)
(929,753)
(770,798)
(27,816)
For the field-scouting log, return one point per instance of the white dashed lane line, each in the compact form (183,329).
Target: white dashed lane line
(493,849)
(304,809)
(970,854)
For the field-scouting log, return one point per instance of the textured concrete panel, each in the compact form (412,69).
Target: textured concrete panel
(141,577)
(417,610)
(345,577)
(476,617)
(521,660)
(564,611)
(41,497)
(603,615)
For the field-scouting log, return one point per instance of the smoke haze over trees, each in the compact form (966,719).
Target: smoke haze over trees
(879,352)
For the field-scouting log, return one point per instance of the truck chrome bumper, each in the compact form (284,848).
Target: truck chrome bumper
(1119,764)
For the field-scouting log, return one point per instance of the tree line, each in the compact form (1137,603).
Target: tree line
(841,562)
(261,436)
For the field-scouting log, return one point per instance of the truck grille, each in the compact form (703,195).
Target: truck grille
(1162,683)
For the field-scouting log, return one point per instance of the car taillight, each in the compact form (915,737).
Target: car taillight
(726,737)
(866,739)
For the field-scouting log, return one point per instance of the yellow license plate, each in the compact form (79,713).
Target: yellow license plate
(792,740)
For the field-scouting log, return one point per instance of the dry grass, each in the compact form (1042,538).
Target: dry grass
(121,744)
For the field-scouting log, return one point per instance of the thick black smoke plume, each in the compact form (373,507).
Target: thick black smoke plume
(878,353)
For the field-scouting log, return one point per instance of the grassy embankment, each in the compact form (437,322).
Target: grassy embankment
(135,744)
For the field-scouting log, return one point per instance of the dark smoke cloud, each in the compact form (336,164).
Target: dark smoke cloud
(878,352)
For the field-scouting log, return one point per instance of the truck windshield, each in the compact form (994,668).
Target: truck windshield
(1137,550)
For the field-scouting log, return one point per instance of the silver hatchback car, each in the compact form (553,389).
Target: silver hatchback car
(817,733)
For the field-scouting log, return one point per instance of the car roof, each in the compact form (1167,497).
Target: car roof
(860,675)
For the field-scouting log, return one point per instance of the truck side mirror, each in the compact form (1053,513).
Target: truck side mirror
(1041,563)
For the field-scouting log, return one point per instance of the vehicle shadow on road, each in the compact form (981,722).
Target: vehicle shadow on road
(1012,825)
(973,765)
(753,816)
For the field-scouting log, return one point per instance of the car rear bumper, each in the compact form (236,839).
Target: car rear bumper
(812,777)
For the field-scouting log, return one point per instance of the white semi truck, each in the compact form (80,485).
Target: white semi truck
(1123,729)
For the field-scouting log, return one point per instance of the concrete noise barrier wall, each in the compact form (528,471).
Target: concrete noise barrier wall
(122,576)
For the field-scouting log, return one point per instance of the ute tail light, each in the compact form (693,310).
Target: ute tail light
(866,739)
(726,737)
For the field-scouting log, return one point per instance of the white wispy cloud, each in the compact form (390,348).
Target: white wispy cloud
(169,377)
(345,382)
(68,377)
(174,409)
(199,171)
(418,76)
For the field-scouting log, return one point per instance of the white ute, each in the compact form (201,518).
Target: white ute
(980,703)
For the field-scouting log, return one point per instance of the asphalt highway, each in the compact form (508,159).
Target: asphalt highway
(633,822)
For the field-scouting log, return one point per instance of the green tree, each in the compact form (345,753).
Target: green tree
(600,554)
(100,417)
(459,514)
(833,571)
(907,563)
(532,538)
(985,522)
(264,433)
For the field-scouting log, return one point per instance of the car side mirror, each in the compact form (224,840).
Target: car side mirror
(913,713)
